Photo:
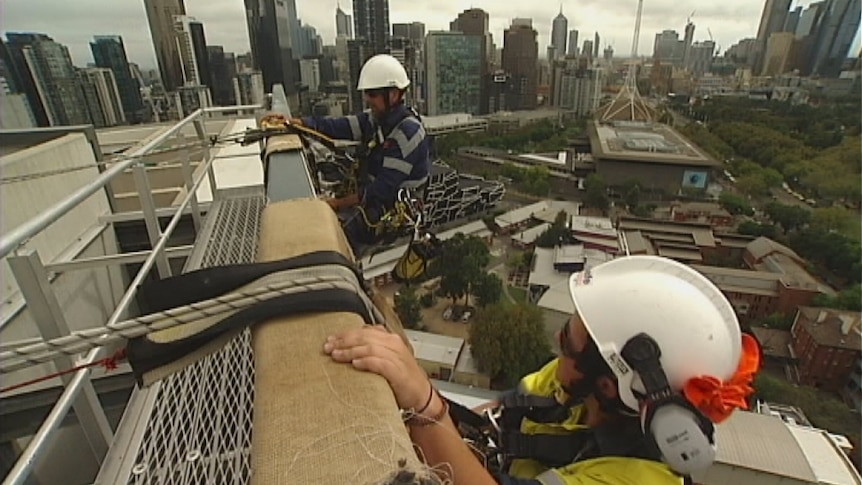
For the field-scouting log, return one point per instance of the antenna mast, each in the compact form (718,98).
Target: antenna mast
(629,99)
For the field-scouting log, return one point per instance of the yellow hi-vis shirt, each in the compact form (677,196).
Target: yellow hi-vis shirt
(611,470)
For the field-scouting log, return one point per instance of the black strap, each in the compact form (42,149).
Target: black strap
(551,450)
(207,283)
(622,437)
(145,355)
(465,415)
(539,409)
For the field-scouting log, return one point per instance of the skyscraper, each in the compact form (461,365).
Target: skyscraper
(520,58)
(573,43)
(474,22)
(109,52)
(558,34)
(270,25)
(102,96)
(772,20)
(160,14)
(42,69)
(792,20)
(343,24)
(371,22)
(686,43)
(415,31)
(358,51)
(596,42)
(310,43)
(454,72)
(193,51)
(222,71)
(838,28)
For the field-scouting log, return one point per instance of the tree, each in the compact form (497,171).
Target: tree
(558,232)
(461,262)
(823,410)
(752,228)
(596,195)
(778,321)
(407,307)
(632,191)
(487,289)
(849,299)
(789,216)
(509,341)
(735,204)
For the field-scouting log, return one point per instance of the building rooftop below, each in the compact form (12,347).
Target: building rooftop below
(529,236)
(431,347)
(832,328)
(775,343)
(520,214)
(645,142)
(765,444)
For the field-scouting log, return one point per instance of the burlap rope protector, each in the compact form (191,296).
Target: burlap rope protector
(316,421)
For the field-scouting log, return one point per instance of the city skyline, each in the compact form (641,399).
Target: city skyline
(224,21)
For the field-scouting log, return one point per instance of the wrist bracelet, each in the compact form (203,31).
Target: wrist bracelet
(418,420)
(427,401)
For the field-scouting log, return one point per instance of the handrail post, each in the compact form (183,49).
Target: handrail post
(45,309)
(201,131)
(188,176)
(148,206)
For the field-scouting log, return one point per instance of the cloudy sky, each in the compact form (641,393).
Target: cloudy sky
(74,22)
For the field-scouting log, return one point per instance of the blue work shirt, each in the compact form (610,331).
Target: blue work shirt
(398,156)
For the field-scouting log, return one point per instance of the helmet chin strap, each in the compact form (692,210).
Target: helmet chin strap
(592,365)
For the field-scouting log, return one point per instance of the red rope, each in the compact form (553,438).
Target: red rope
(109,363)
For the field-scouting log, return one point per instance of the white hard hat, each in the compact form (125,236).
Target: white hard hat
(382,71)
(693,324)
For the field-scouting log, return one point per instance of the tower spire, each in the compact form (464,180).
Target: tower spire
(628,104)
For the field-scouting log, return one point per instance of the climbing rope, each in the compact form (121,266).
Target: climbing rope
(38,353)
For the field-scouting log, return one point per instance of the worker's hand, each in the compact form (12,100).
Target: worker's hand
(333,202)
(373,349)
(296,121)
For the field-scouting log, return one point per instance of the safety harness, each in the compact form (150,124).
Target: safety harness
(406,216)
(497,434)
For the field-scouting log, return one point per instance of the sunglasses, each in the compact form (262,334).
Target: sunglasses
(373,93)
(566,346)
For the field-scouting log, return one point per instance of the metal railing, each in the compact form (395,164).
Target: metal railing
(37,289)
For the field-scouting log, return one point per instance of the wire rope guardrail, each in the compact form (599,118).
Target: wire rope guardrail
(19,235)
(80,341)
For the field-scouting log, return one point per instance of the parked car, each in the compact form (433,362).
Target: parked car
(447,313)
(466,316)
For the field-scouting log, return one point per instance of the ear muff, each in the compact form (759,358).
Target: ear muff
(682,435)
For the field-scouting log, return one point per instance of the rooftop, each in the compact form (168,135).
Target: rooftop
(557,206)
(763,247)
(741,280)
(520,214)
(701,234)
(793,273)
(600,226)
(774,342)
(435,348)
(766,444)
(529,236)
(832,328)
(645,142)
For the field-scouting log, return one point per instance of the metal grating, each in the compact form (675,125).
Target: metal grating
(201,424)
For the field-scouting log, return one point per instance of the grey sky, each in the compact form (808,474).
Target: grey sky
(74,22)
